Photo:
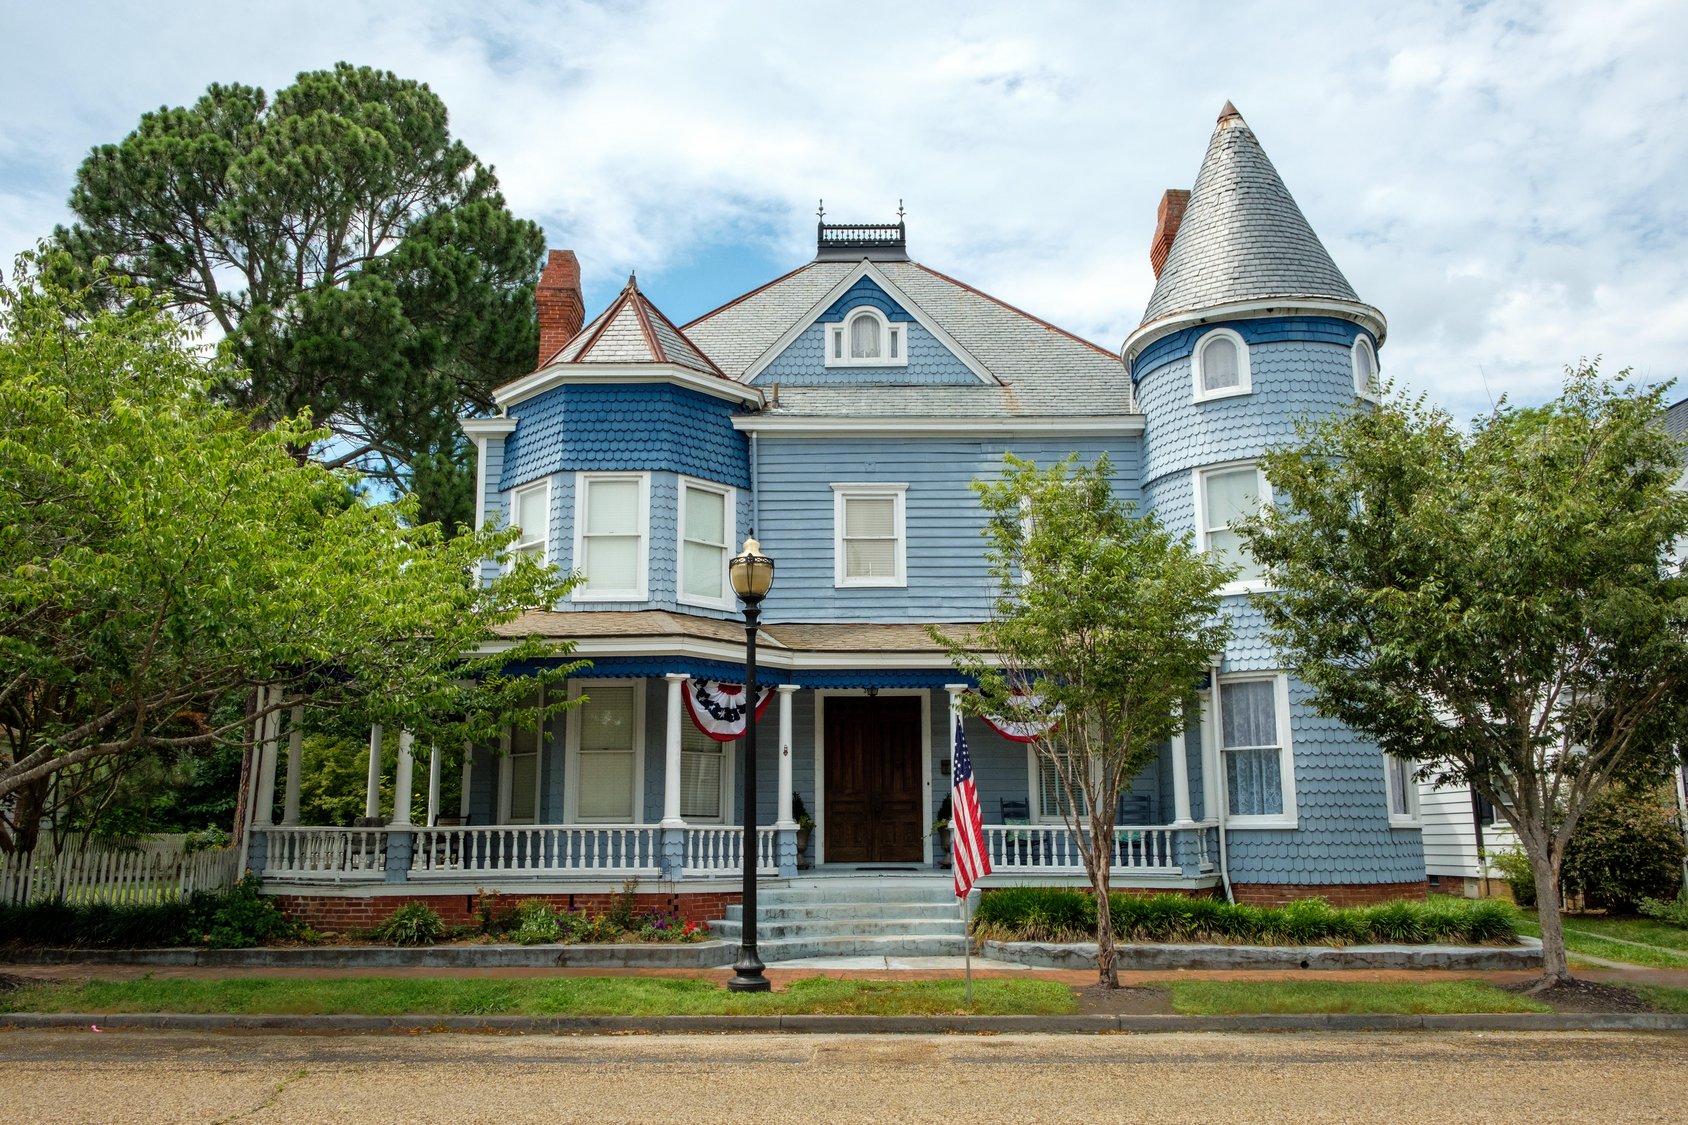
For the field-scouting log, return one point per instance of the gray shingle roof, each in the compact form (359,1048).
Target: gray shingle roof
(1039,369)
(1243,238)
(632,330)
(1676,419)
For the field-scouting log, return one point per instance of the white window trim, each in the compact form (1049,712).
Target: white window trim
(571,751)
(1245,382)
(729,526)
(1198,482)
(837,340)
(515,507)
(1286,761)
(729,760)
(641,592)
(507,773)
(1361,387)
(1413,817)
(870,490)
(1034,785)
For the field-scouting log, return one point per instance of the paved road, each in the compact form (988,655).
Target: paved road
(69,1076)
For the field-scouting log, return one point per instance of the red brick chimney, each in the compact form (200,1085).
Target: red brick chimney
(1167,217)
(562,309)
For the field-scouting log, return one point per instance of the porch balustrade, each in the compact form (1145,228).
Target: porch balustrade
(344,854)
(567,849)
(1032,849)
(718,850)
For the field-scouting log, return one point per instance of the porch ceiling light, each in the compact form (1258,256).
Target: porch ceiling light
(751,572)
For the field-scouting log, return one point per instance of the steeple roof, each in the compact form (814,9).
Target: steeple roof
(632,330)
(1242,237)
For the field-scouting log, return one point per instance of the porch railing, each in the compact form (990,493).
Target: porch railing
(341,854)
(719,850)
(619,849)
(1052,849)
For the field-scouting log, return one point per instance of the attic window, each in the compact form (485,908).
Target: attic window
(864,338)
(1219,365)
(1365,370)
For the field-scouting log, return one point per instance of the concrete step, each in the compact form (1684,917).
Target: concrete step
(831,911)
(890,890)
(790,949)
(732,929)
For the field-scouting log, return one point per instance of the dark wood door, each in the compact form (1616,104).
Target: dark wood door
(873,782)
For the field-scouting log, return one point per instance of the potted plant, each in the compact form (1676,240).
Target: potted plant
(805,825)
(941,829)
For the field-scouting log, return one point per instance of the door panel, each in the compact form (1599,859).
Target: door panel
(874,791)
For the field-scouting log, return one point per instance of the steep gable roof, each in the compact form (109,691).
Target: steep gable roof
(632,330)
(1242,238)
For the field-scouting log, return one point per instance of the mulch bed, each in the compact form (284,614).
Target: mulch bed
(1584,996)
(1135,1001)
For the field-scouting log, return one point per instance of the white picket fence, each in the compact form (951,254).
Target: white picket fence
(96,875)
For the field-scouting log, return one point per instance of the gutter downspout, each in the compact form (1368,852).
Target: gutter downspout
(755,479)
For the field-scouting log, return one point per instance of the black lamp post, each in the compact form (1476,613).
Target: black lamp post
(751,573)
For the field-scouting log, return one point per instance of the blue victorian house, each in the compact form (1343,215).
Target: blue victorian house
(842,411)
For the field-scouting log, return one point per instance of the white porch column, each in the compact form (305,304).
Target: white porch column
(372,793)
(433,784)
(295,764)
(1181,779)
(468,773)
(1213,772)
(671,753)
(786,692)
(270,725)
(401,782)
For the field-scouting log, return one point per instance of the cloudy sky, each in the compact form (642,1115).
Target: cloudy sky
(1504,180)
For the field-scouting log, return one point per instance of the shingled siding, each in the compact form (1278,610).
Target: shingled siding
(948,579)
(803,362)
(866,291)
(492,500)
(642,426)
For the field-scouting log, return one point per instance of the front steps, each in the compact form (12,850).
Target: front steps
(870,915)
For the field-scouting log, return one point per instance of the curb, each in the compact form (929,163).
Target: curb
(1080,955)
(691,955)
(851,1025)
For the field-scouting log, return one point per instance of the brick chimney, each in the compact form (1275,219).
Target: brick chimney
(1168,215)
(562,309)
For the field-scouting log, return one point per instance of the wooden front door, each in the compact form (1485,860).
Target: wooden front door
(873,780)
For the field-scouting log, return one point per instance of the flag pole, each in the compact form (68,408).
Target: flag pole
(967,942)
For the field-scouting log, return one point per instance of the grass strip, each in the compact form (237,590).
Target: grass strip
(1223,998)
(1579,940)
(1665,998)
(567,996)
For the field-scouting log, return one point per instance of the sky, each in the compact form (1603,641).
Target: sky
(1505,181)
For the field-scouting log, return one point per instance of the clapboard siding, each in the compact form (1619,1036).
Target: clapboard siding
(1450,840)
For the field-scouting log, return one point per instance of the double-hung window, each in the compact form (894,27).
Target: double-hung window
(706,532)
(1053,807)
(605,743)
(1402,791)
(1254,741)
(530,513)
(611,544)
(1224,495)
(869,539)
(705,765)
(518,778)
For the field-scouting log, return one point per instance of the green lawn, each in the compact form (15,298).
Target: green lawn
(1659,942)
(565,996)
(1211,998)
(1666,999)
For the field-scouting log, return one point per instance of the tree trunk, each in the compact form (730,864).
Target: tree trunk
(1553,962)
(1107,971)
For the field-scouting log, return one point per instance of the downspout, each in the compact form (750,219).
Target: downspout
(755,492)
(1219,782)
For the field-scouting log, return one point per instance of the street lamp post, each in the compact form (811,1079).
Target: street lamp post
(751,573)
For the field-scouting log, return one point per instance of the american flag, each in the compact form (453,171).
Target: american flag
(971,862)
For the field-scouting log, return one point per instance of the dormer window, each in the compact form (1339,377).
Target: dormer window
(864,338)
(1366,383)
(1219,365)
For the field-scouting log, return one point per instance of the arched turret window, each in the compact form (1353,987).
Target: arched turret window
(1220,365)
(1366,382)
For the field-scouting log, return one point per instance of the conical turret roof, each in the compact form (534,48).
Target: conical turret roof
(1242,237)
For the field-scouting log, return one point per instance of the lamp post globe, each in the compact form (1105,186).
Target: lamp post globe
(751,574)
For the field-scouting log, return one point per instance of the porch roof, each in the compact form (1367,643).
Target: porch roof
(605,631)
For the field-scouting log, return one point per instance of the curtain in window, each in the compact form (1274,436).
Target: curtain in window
(702,761)
(611,537)
(1230,496)
(870,537)
(1400,776)
(705,535)
(606,754)
(864,338)
(1253,757)
(533,520)
(1219,364)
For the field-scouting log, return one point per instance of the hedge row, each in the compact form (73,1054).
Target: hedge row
(1061,914)
(235,919)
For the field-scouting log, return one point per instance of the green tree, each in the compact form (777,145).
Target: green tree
(1104,622)
(355,261)
(1495,605)
(160,557)
(1627,847)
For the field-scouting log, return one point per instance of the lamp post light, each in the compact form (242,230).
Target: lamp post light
(751,573)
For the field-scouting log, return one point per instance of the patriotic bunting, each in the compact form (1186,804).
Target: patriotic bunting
(719,709)
(1023,731)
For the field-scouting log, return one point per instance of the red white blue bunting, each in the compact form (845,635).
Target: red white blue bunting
(719,709)
(1029,731)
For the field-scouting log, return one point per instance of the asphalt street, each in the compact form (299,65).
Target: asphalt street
(84,1075)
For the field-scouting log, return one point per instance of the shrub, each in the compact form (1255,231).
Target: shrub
(1674,911)
(237,918)
(1627,847)
(536,923)
(1514,867)
(242,918)
(414,923)
(621,907)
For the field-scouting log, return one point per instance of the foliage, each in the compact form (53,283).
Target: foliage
(1673,911)
(414,923)
(1495,605)
(161,559)
(1627,847)
(355,261)
(1103,620)
(243,918)
(235,919)
(1514,866)
(1067,915)
(536,923)
(800,812)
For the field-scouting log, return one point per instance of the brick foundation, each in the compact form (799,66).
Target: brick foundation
(1469,886)
(341,915)
(1337,894)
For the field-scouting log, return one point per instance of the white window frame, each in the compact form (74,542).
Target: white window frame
(1286,761)
(729,756)
(837,340)
(582,488)
(1245,379)
(526,539)
(870,491)
(729,528)
(571,752)
(1199,483)
(507,772)
(1371,389)
(1034,782)
(1411,818)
